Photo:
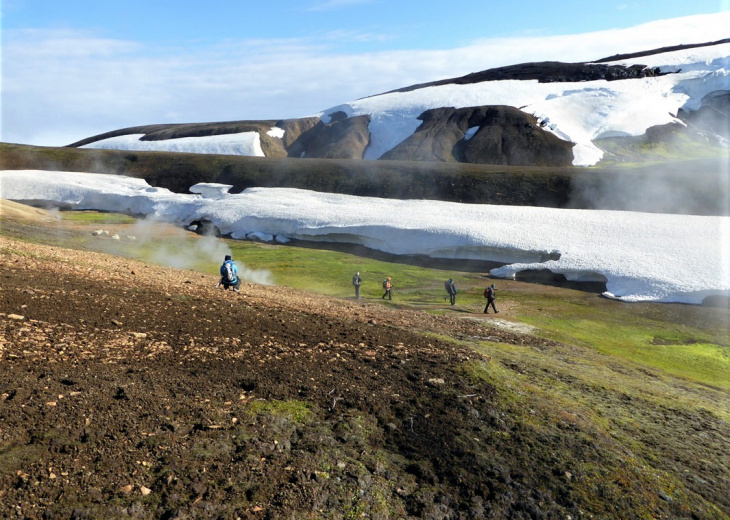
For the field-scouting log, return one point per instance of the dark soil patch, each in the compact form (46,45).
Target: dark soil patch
(131,391)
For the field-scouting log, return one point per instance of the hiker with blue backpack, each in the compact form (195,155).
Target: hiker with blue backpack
(229,275)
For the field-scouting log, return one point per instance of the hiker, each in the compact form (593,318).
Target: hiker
(388,288)
(450,287)
(229,275)
(490,293)
(356,281)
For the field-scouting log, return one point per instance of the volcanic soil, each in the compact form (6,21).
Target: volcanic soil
(136,391)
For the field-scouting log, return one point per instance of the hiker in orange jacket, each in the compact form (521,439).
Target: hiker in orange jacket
(388,286)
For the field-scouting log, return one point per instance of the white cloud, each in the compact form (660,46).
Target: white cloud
(62,86)
(331,5)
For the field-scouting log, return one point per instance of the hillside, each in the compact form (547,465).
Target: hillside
(662,186)
(387,179)
(139,391)
(531,114)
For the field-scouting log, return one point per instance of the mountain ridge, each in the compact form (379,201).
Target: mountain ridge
(572,104)
(556,71)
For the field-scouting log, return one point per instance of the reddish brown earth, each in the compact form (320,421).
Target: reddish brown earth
(121,379)
(134,391)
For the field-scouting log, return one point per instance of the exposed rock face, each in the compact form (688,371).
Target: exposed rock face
(713,115)
(271,146)
(502,135)
(294,128)
(435,139)
(343,138)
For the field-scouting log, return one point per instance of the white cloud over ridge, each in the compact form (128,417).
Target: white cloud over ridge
(61,86)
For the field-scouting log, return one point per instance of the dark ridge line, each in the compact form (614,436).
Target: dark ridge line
(161,127)
(511,71)
(661,50)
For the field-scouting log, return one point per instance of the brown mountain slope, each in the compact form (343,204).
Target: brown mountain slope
(504,135)
(136,391)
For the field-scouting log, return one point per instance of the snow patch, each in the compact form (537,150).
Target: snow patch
(244,143)
(211,190)
(275,131)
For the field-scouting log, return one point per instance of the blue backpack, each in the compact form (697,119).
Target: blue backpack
(228,275)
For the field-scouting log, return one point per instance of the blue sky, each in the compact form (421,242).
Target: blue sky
(71,69)
(364,25)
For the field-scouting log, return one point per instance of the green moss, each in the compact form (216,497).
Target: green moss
(15,457)
(95,217)
(676,349)
(297,411)
(642,151)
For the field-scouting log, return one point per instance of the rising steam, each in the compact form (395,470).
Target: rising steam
(175,247)
(687,188)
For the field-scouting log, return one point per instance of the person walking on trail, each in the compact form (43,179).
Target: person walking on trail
(388,286)
(356,281)
(490,295)
(229,275)
(450,287)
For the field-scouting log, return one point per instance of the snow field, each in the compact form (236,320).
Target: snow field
(641,256)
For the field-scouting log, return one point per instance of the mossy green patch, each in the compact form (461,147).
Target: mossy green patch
(96,217)
(297,411)
(679,350)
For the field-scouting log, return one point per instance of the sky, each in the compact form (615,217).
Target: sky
(77,68)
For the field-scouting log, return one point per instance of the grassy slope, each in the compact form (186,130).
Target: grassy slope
(640,380)
(685,341)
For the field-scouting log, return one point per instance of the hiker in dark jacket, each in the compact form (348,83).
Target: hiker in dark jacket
(450,287)
(490,294)
(229,275)
(356,281)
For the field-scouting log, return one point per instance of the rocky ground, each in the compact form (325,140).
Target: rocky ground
(135,391)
